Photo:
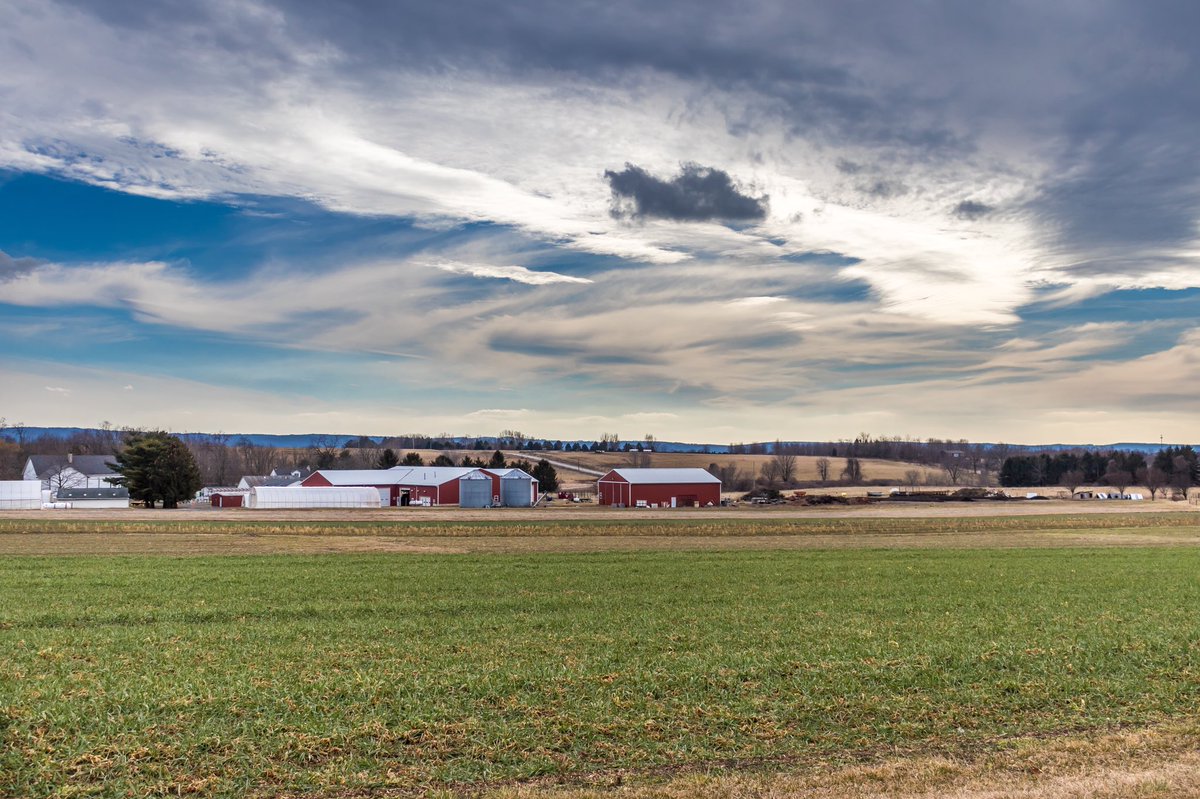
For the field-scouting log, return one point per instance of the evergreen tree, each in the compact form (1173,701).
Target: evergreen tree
(546,476)
(413,459)
(497,461)
(387,459)
(157,467)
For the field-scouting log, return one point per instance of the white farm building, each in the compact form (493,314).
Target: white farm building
(20,494)
(304,497)
(70,471)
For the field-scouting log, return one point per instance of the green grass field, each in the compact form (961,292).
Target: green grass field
(344,675)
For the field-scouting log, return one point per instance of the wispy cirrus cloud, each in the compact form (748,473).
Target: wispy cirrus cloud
(517,274)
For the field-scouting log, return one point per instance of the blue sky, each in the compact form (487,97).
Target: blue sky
(704,222)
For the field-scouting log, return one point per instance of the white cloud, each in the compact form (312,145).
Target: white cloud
(517,274)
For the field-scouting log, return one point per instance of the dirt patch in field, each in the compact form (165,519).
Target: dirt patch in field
(1123,765)
(184,544)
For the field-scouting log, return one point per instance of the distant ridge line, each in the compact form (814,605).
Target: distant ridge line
(305,440)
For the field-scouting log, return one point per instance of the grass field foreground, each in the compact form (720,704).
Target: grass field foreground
(335,676)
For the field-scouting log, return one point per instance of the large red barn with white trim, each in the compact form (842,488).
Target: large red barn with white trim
(668,488)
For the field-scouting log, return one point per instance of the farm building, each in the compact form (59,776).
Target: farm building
(229,498)
(70,471)
(435,485)
(321,497)
(20,494)
(430,485)
(93,498)
(400,485)
(484,488)
(516,488)
(475,490)
(386,482)
(669,488)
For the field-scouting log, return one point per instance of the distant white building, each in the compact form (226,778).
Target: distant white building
(70,471)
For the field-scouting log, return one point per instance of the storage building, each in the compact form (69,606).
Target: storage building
(92,498)
(435,485)
(228,499)
(322,497)
(669,488)
(475,490)
(20,494)
(430,485)
(386,482)
(516,488)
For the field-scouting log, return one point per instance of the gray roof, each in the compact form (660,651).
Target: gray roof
(298,473)
(92,493)
(253,481)
(92,465)
(665,475)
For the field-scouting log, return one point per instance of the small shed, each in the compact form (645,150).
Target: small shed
(93,498)
(319,497)
(20,494)
(668,488)
(228,499)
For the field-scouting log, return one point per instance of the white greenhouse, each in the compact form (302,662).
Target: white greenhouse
(315,497)
(20,494)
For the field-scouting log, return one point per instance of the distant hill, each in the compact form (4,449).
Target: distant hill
(304,440)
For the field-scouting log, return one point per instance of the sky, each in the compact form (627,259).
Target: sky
(709,222)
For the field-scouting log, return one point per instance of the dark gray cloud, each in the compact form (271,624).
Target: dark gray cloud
(12,268)
(884,189)
(697,193)
(972,209)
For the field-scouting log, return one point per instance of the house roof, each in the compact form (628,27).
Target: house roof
(92,493)
(91,465)
(664,476)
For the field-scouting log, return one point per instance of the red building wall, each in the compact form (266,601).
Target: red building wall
(318,480)
(445,494)
(614,491)
(227,500)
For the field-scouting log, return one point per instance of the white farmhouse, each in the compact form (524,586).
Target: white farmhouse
(70,471)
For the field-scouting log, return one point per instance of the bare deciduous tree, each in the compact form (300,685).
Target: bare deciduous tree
(912,479)
(823,465)
(952,462)
(770,472)
(852,473)
(785,462)
(1071,480)
(1154,479)
(1117,477)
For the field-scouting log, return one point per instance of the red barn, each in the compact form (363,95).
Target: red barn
(668,488)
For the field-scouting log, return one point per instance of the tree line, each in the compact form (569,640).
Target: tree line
(1172,469)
